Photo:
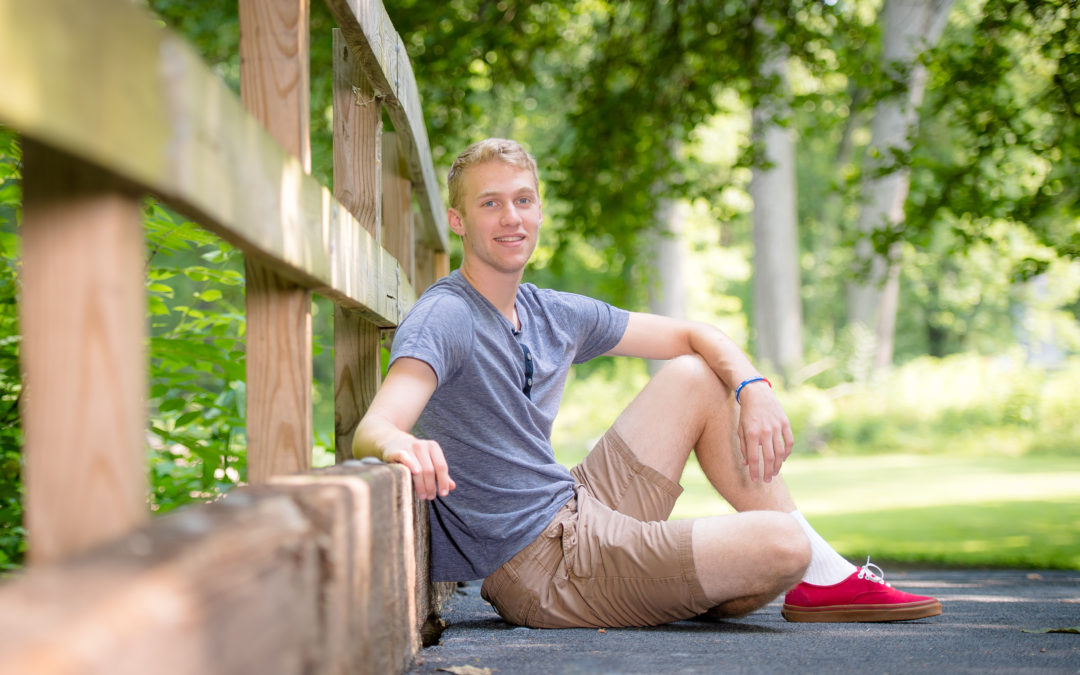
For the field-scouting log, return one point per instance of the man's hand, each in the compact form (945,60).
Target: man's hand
(384,430)
(764,432)
(424,460)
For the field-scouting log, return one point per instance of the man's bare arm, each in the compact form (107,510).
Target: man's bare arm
(764,429)
(384,430)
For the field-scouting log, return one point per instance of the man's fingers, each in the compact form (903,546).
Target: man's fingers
(779,455)
(405,459)
(443,482)
(425,461)
(426,478)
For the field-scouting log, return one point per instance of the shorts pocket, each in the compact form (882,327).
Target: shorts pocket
(512,599)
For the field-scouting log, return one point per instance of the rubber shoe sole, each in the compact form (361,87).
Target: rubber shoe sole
(862,613)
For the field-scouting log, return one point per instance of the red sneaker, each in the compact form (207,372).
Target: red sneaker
(864,596)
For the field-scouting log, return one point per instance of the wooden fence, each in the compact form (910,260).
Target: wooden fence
(302,571)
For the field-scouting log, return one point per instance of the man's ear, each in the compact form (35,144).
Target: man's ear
(455,222)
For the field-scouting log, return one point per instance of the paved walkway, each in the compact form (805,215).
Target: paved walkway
(982,630)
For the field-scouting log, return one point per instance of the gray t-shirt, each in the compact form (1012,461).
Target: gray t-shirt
(495,437)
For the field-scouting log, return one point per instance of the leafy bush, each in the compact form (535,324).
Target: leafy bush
(12,534)
(197,378)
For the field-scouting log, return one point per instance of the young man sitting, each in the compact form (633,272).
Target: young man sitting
(476,377)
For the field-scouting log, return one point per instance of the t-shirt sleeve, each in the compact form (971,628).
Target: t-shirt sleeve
(599,326)
(438,332)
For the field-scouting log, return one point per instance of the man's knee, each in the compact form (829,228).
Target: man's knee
(791,548)
(783,549)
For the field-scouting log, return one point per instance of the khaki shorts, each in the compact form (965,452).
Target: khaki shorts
(609,557)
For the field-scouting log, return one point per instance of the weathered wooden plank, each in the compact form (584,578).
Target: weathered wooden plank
(379,561)
(274,88)
(82,313)
(382,55)
(279,374)
(428,266)
(374,563)
(357,375)
(274,71)
(357,186)
(397,206)
(229,587)
(338,513)
(182,135)
(357,140)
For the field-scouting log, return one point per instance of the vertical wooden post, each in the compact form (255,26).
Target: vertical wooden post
(397,206)
(428,265)
(358,186)
(83,315)
(274,88)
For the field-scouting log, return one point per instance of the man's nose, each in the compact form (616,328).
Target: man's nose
(510,215)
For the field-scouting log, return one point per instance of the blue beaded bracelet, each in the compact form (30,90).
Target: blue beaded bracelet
(750,381)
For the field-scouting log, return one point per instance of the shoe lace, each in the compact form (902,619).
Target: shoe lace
(866,573)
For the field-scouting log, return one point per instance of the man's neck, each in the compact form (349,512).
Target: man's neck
(500,289)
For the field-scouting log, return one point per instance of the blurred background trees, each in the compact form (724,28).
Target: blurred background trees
(916,139)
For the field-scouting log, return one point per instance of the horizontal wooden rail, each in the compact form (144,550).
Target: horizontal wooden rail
(312,574)
(182,135)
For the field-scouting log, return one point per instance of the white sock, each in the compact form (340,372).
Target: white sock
(827,567)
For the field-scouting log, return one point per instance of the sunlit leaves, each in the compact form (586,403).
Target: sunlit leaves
(197,361)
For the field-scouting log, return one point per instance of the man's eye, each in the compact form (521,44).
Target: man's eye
(488,203)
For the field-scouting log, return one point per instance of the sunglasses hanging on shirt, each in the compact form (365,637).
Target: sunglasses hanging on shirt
(527,389)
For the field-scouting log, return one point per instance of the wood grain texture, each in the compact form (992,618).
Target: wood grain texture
(357,140)
(279,375)
(372,38)
(358,187)
(274,70)
(397,206)
(374,564)
(82,310)
(228,587)
(385,564)
(183,136)
(274,87)
(357,375)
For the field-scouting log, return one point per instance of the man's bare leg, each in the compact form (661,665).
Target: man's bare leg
(743,560)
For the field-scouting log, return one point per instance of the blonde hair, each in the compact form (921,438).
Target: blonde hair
(500,149)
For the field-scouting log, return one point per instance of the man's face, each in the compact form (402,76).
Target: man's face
(499,218)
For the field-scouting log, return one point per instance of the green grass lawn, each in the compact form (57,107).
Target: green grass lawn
(967,460)
(992,511)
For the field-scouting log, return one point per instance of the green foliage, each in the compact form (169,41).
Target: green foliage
(965,404)
(1003,134)
(197,365)
(12,534)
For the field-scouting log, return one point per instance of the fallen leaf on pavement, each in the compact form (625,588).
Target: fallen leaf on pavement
(1070,629)
(466,670)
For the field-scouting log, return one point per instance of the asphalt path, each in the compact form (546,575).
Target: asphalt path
(989,624)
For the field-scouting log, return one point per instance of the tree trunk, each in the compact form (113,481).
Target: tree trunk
(909,26)
(777,299)
(667,286)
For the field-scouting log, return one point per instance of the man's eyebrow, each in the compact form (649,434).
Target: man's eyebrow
(524,189)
